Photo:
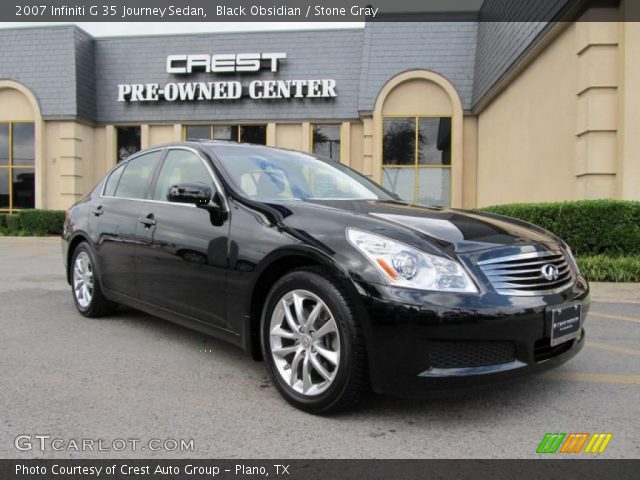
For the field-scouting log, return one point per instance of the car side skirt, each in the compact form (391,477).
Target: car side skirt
(177,318)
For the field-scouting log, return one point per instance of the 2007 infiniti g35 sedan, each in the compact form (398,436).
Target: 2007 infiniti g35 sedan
(329,277)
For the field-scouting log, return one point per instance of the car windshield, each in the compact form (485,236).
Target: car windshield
(267,174)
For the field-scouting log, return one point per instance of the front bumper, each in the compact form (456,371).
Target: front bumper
(421,343)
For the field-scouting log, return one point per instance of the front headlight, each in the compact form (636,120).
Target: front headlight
(406,266)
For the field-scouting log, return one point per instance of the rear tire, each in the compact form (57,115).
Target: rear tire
(312,342)
(85,284)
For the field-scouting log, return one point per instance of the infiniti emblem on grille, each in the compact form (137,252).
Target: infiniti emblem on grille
(550,272)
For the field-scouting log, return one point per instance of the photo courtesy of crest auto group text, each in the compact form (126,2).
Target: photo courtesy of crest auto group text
(314,239)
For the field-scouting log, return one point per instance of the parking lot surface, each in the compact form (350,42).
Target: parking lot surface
(133,376)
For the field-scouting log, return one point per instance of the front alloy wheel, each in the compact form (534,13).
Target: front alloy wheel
(312,342)
(304,341)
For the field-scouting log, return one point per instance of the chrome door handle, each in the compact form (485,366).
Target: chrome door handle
(148,221)
(97,211)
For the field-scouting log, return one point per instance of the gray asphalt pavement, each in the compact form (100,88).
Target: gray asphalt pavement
(133,376)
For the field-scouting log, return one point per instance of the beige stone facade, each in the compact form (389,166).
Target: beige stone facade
(561,128)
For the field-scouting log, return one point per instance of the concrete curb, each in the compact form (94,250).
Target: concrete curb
(615,292)
(50,239)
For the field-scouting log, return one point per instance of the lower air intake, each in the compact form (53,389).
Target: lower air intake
(462,354)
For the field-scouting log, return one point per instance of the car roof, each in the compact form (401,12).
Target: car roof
(212,144)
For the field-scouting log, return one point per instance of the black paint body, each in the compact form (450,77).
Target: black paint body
(211,270)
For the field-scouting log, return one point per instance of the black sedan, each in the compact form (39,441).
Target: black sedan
(330,278)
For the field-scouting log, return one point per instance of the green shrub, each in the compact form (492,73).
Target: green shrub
(600,268)
(42,222)
(590,227)
(32,223)
(13,223)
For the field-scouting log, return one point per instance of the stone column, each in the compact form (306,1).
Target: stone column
(597,114)
(628,184)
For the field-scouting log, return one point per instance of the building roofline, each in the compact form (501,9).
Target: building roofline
(230,32)
(567,15)
(526,58)
(62,26)
(72,26)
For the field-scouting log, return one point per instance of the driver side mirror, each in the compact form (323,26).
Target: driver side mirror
(195,193)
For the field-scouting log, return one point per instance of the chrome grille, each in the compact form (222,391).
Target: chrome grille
(522,274)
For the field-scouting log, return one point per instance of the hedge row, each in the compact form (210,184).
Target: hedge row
(32,222)
(600,268)
(590,227)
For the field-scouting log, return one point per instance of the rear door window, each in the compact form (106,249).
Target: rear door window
(137,175)
(112,181)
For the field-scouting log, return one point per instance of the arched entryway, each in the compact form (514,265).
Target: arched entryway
(20,148)
(417,135)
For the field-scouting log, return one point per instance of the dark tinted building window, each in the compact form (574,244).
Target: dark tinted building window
(235,133)
(225,132)
(198,132)
(434,135)
(399,143)
(23,144)
(17,166)
(326,141)
(416,159)
(4,144)
(4,166)
(23,188)
(128,142)
(253,134)
(5,201)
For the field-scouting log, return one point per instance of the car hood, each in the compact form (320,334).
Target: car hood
(452,229)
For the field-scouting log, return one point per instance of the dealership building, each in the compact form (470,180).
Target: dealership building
(463,113)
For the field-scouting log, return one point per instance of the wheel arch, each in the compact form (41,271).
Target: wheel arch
(76,240)
(279,264)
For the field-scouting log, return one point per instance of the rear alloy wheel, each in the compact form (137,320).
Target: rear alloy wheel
(312,342)
(83,279)
(85,284)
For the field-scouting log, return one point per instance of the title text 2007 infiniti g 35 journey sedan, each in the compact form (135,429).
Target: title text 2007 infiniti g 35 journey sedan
(333,280)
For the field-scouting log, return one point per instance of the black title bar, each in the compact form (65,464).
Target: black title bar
(317,469)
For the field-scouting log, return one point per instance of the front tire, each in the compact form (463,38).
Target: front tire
(312,342)
(85,284)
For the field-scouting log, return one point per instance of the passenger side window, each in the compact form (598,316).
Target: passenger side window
(112,181)
(181,166)
(136,176)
